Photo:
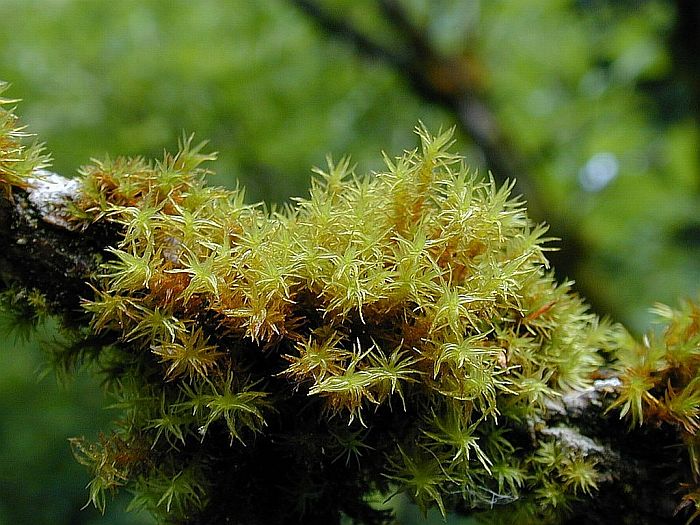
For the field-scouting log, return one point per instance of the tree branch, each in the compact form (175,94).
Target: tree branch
(639,466)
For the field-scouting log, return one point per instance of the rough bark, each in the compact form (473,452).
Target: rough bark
(44,251)
(641,468)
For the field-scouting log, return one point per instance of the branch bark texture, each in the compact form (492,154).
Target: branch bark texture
(42,250)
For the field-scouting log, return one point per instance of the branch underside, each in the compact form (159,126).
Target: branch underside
(640,468)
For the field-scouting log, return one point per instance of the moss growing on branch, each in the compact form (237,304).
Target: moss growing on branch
(661,386)
(17,160)
(398,332)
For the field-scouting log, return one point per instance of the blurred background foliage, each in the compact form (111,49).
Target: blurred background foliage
(591,104)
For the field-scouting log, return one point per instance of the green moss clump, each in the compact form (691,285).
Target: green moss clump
(17,161)
(391,333)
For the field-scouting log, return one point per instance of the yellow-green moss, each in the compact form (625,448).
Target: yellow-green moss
(661,383)
(390,333)
(419,294)
(17,160)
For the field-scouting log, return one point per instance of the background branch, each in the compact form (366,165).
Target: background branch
(337,26)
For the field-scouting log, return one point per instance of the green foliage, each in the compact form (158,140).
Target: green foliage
(395,318)
(38,466)
(21,311)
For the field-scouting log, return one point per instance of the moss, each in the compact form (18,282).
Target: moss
(390,333)
(661,386)
(17,161)
(409,317)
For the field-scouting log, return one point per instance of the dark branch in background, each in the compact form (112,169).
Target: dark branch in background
(338,27)
(394,12)
(450,83)
(685,45)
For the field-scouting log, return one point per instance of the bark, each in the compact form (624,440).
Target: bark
(42,250)
(641,468)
